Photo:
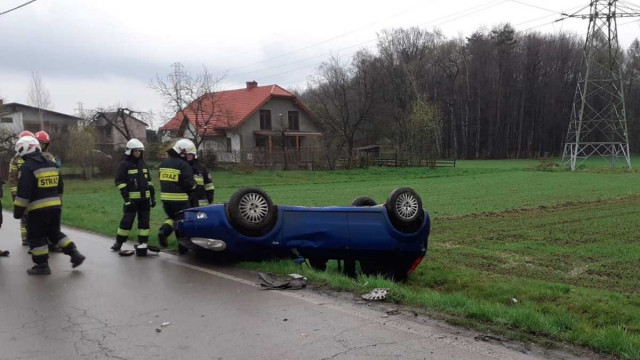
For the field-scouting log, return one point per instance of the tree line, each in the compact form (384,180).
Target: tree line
(497,93)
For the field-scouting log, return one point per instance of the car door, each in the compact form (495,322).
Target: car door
(317,231)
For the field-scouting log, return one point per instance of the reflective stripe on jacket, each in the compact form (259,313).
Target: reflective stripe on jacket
(176,179)
(40,185)
(133,179)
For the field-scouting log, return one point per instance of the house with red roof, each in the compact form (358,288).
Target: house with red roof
(243,124)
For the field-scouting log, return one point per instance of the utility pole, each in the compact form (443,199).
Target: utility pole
(598,124)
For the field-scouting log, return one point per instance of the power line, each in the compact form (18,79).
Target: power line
(440,21)
(17,7)
(326,40)
(521,31)
(534,6)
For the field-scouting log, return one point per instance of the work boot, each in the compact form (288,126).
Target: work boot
(25,242)
(116,246)
(76,258)
(39,269)
(162,239)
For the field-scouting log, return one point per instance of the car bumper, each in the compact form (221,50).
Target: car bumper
(196,243)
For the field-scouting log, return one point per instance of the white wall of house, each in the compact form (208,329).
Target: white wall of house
(277,107)
(15,124)
(219,146)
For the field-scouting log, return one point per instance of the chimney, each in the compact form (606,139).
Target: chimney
(251,85)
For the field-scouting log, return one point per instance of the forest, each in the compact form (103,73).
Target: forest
(495,94)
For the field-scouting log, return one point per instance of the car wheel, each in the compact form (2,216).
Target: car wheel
(404,207)
(318,263)
(363,201)
(251,212)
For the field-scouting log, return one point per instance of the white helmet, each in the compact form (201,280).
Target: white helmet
(133,144)
(27,145)
(184,147)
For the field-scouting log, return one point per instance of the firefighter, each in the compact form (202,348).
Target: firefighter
(133,179)
(45,141)
(2,252)
(14,169)
(204,192)
(176,185)
(39,194)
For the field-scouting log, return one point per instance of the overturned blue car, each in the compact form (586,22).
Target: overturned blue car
(388,239)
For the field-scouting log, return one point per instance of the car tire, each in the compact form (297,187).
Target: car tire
(404,207)
(251,212)
(363,201)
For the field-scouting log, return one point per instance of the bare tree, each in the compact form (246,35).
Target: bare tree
(192,99)
(344,97)
(117,118)
(39,96)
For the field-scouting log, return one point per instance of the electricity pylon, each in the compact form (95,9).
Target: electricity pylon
(598,124)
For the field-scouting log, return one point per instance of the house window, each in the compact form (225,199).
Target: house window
(6,120)
(228,144)
(261,141)
(294,122)
(265,119)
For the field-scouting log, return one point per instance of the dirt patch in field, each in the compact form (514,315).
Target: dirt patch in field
(556,207)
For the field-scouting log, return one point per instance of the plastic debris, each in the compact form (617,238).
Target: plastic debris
(165,324)
(271,282)
(158,330)
(376,294)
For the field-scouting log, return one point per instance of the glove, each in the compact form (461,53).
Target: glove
(153,202)
(210,195)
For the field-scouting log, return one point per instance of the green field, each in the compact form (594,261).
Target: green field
(565,246)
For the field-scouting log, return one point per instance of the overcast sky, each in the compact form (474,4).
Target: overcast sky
(105,52)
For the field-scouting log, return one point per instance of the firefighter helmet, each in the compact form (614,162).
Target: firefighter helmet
(27,145)
(43,137)
(133,144)
(25,133)
(184,147)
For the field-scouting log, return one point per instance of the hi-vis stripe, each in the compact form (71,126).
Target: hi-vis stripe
(174,197)
(44,172)
(40,250)
(18,201)
(199,179)
(64,242)
(136,195)
(47,177)
(122,186)
(209,186)
(44,203)
(132,171)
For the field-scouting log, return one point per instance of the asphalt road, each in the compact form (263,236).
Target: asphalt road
(112,307)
